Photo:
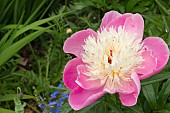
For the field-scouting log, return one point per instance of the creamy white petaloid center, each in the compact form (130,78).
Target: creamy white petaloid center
(112,56)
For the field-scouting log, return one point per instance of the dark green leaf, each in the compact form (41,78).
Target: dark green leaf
(156,78)
(150,96)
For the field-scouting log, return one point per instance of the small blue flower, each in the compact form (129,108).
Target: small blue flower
(54,94)
(64,96)
(42,106)
(60,86)
(54,104)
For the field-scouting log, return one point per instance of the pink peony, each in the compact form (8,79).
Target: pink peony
(112,60)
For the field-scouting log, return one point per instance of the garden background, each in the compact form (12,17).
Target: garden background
(32,33)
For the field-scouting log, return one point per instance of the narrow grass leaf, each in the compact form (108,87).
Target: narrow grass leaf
(167,106)
(162,6)
(114,106)
(5,37)
(6,10)
(13,26)
(150,96)
(2,110)
(14,48)
(16,11)
(35,24)
(130,5)
(164,94)
(35,12)
(136,109)
(156,78)
(154,20)
(47,9)
(8,97)
(86,109)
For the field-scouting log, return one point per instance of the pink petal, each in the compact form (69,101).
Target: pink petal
(80,98)
(160,51)
(126,88)
(70,73)
(74,44)
(132,23)
(108,17)
(148,65)
(131,99)
(119,21)
(122,87)
(135,24)
(83,81)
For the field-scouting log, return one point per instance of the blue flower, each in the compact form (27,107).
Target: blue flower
(53,95)
(42,106)
(53,104)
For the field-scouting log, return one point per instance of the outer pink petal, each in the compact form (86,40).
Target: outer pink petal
(126,88)
(132,23)
(131,99)
(160,51)
(135,24)
(149,64)
(80,98)
(108,17)
(119,21)
(74,44)
(70,73)
(83,81)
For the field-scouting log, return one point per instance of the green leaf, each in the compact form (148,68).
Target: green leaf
(19,107)
(8,97)
(160,4)
(49,5)
(14,48)
(150,96)
(5,37)
(164,94)
(163,111)
(2,110)
(35,12)
(130,5)
(65,108)
(86,109)
(111,103)
(16,11)
(16,32)
(155,20)
(32,25)
(13,26)
(156,78)
(167,106)
(136,109)
(6,10)
(139,9)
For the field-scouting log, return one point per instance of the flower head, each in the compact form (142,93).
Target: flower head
(112,60)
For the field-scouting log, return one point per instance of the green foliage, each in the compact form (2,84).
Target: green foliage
(2,110)
(31,50)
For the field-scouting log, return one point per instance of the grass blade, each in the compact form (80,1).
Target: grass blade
(150,96)
(14,48)
(156,78)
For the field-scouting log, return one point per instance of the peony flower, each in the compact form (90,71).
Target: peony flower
(112,60)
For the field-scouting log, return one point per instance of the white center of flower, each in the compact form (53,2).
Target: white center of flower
(112,56)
